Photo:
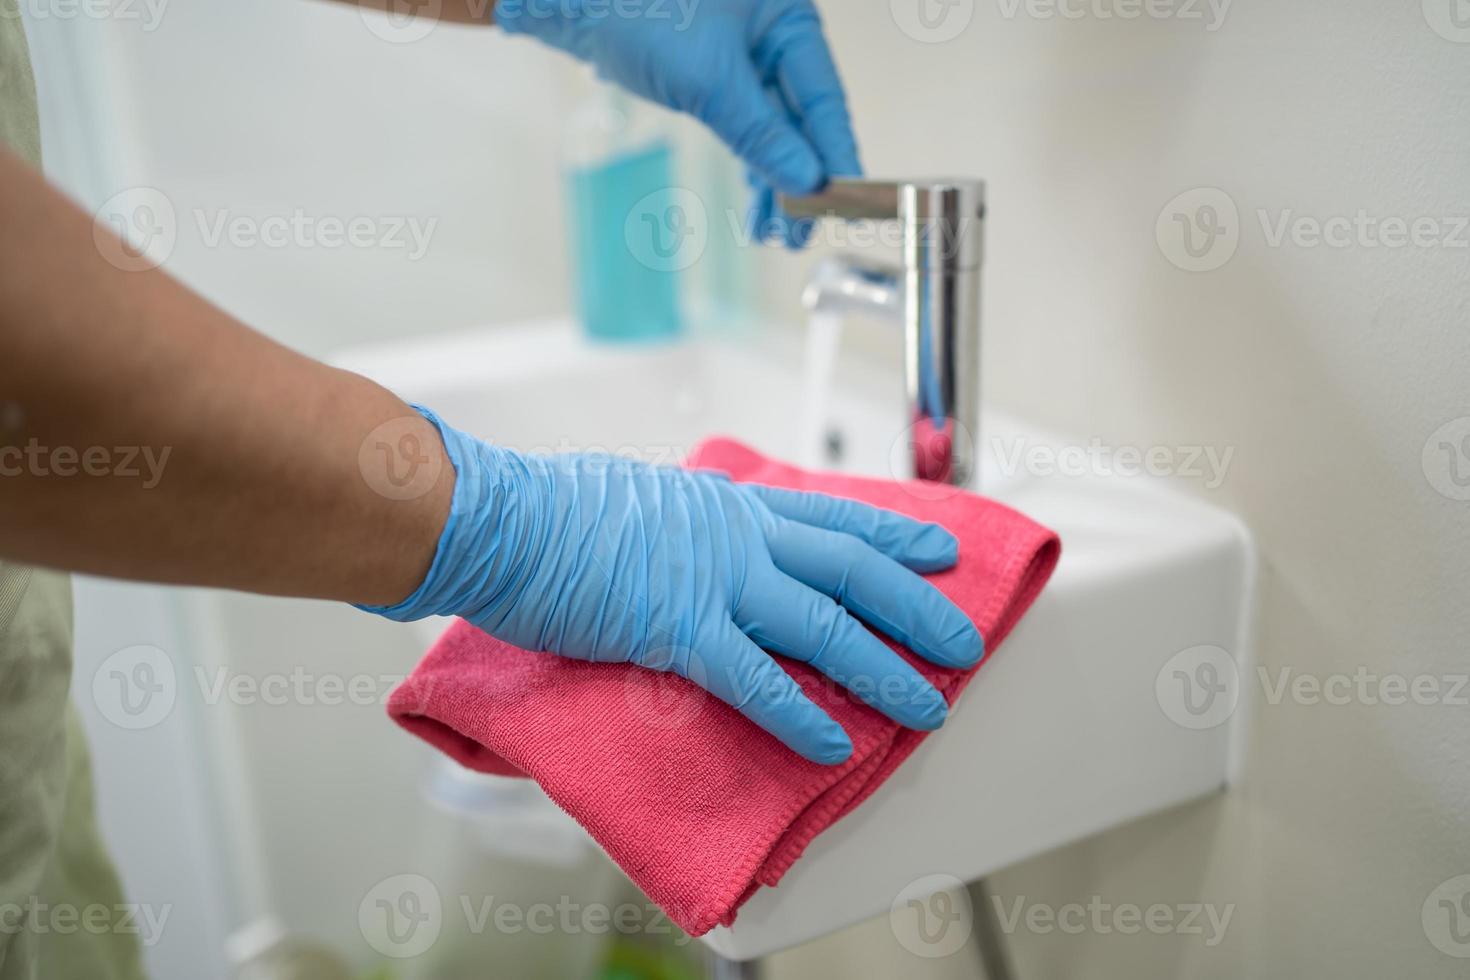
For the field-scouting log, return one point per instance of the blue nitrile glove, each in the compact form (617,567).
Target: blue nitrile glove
(605,559)
(757,72)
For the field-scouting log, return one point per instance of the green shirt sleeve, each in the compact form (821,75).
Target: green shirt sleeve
(62,911)
(54,869)
(20,126)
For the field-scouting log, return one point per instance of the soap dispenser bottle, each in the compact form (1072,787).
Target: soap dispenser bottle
(630,225)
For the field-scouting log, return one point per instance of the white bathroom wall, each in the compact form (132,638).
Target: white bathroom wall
(1326,372)
(270,126)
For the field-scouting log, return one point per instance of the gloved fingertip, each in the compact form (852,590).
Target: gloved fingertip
(939,543)
(966,648)
(842,159)
(794,168)
(831,746)
(932,710)
(932,549)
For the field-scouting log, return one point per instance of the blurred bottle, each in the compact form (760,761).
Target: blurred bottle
(630,229)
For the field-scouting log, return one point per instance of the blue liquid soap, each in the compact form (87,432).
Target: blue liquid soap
(628,236)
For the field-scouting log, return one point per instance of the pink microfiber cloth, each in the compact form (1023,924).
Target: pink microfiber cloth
(698,805)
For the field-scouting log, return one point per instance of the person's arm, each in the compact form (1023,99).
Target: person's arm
(450,11)
(146,434)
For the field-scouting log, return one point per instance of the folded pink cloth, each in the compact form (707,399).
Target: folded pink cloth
(694,802)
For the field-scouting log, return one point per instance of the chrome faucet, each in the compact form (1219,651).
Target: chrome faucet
(935,290)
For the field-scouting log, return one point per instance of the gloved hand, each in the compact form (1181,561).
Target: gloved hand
(605,559)
(756,72)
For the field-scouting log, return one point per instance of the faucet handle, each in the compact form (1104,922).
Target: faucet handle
(849,199)
(942,218)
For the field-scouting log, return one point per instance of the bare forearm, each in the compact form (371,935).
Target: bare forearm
(146,434)
(452,11)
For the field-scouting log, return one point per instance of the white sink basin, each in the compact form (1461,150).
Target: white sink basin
(1074,727)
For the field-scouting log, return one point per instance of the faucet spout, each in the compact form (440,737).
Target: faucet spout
(935,292)
(851,285)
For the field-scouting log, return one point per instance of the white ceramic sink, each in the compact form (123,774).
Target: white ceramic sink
(1085,719)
